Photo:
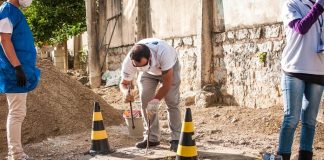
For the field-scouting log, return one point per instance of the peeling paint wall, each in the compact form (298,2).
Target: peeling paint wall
(238,13)
(174,18)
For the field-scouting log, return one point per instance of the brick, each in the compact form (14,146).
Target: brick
(242,34)
(272,31)
(255,33)
(177,42)
(170,42)
(278,45)
(230,35)
(265,47)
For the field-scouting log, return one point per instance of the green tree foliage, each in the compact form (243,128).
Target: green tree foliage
(54,21)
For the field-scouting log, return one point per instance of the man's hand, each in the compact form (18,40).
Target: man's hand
(128,98)
(20,75)
(128,95)
(152,107)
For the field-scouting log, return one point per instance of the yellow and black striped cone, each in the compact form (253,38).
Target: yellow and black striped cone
(187,149)
(99,135)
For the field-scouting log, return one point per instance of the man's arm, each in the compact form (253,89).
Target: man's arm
(9,50)
(124,85)
(167,77)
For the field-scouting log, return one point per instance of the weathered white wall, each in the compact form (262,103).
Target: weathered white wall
(174,18)
(84,42)
(125,28)
(169,19)
(239,13)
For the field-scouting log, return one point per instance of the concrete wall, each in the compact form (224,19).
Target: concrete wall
(84,42)
(238,13)
(124,33)
(236,75)
(169,19)
(172,18)
(240,31)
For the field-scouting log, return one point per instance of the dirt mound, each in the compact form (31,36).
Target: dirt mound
(59,105)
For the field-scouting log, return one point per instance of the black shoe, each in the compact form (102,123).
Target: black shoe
(174,145)
(143,144)
(285,156)
(305,155)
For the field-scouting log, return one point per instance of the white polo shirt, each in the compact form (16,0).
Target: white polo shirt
(163,58)
(300,54)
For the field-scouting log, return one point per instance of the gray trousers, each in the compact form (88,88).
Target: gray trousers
(147,87)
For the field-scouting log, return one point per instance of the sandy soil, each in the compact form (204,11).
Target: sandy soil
(59,106)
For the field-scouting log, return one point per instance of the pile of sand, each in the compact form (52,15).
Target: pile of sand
(60,105)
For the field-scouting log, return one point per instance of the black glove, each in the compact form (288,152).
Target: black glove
(20,75)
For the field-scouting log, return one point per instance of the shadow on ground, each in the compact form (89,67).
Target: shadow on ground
(223,156)
(202,156)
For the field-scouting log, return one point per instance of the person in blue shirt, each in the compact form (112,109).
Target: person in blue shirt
(18,72)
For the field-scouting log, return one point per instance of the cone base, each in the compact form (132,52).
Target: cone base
(186,158)
(100,147)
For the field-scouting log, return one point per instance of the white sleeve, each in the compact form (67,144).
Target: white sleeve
(168,56)
(5,26)
(128,71)
(290,12)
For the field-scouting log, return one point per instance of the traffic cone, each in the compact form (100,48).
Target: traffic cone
(99,136)
(187,149)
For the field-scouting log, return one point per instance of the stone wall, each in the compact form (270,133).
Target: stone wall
(320,117)
(187,54)
(241,76)
(115,57)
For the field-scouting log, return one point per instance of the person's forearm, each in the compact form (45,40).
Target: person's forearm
(124,86)
(167,77)
(10,52)
(162,92)
(303,25)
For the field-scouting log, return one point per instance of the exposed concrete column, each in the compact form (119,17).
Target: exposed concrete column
(218,27)
(210,20)
(204,35)
(143,23)
(77,48)
(94,59)
(102,23)
(218,16)
(60,57)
